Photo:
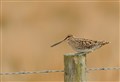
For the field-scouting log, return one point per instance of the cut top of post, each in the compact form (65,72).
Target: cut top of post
(75,54)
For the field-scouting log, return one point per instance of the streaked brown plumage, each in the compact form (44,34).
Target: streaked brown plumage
(82,45)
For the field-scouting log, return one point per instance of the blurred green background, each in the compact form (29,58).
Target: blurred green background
(30,28)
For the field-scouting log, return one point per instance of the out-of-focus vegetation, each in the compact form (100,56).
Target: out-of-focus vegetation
(30,28)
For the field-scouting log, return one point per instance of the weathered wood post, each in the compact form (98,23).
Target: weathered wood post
(75,68)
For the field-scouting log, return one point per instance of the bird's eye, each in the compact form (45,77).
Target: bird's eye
(69,35)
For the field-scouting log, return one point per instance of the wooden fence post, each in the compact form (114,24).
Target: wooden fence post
(75,68)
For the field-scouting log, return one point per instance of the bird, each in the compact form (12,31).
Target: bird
(82,45)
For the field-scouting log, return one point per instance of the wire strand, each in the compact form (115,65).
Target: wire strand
(53,71)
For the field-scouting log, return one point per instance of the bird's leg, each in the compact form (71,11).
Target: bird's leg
(81,53)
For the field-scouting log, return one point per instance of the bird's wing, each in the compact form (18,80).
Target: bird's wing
(86,43)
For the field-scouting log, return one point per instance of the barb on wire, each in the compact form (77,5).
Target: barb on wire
(53,71)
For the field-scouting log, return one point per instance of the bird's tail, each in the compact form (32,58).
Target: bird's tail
(104,42)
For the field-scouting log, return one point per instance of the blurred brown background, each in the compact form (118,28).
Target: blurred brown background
(30,28)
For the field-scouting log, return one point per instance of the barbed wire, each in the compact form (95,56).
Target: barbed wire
(104,68)
(31,72)
(53,71)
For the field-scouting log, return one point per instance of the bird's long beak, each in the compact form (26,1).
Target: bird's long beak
(59,42)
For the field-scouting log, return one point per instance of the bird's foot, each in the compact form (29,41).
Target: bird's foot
(80,53)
